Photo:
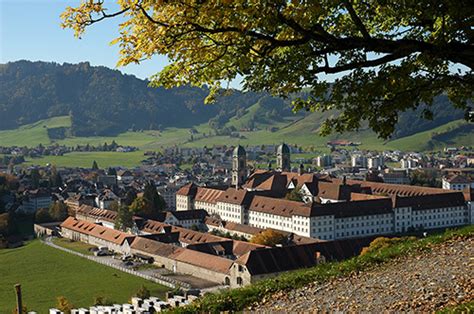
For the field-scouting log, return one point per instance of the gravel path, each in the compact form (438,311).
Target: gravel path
(424,283)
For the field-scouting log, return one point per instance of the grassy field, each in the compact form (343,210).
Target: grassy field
(79,159)
(46,273)
(423,140)
(303,132)
(77,246)
(33,134)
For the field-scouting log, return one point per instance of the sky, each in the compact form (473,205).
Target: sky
(30,30)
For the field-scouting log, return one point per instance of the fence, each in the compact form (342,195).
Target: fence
(157,278)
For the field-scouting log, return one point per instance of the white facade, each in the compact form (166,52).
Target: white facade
(324,161)
(458,186)
(409,163)
(266,220)
(329,227)
(375,162)
(359,161)
(183,202)
(231,212)
(207,206)
(441,217)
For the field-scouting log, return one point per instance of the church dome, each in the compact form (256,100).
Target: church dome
(283,149)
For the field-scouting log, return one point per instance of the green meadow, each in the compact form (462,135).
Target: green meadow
(46,273)
(302,131)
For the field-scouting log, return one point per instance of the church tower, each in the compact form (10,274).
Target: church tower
(283,158)
(239,166)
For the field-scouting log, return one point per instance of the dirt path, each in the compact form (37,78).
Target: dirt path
(440,278)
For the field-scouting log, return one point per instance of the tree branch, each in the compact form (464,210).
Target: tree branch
(106,16)
(354,65)
(355,18)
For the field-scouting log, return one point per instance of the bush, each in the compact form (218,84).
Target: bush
(143,293)
(381,243)
(101,300)
(64,305)
(42,215)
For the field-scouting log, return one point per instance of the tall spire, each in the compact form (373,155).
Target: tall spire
(239,166)
(283,158)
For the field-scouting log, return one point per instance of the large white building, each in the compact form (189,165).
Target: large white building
(330,209)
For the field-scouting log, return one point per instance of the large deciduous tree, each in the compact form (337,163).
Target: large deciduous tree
(389,56)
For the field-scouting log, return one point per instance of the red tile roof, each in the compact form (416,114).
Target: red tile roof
(280,207)
(95,230)
(207,195)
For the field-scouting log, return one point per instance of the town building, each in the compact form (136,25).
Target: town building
(168,193)
(457,182)
(359,161)
(34,200)
(375,162)
(323,161)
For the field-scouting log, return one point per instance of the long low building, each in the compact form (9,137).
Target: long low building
(221,260)
(96,234)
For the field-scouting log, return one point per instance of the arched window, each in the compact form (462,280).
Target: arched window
(227,281)
(239,281)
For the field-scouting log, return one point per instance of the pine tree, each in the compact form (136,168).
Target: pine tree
(55,179)
(154,202)
(58,211)
(35,178)
(95,166)
(124,218)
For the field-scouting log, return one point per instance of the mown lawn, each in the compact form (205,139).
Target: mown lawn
(46,273)
(77,246)
(85,160)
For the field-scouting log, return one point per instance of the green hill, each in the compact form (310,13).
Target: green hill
(75,104)
(300,131)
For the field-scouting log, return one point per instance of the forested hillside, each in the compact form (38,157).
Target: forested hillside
(106,102)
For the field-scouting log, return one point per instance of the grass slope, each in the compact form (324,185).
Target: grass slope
(46,273)
(300,131)
(33,134)
(457,136)
(238,299)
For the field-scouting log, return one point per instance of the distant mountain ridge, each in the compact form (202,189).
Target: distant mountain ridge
(105,102)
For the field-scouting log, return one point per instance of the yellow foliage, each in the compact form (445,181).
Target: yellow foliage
(382,243)
(268,237)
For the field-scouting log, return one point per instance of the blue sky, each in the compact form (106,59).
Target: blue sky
(30,30)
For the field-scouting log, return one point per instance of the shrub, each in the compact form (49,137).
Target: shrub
(143,292)
(381,243)
(101,300)
(64,305)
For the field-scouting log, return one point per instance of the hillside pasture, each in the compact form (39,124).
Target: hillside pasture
(46,273)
